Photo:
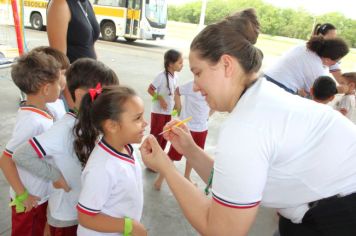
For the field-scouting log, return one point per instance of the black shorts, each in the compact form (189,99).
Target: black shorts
(335,216)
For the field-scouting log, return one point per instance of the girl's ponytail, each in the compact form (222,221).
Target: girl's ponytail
(85,132)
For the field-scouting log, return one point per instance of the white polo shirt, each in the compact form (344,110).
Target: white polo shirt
(57,109)
(112,185)
(283,151)
(57,144)
(30,121)
(194,105)
(347,102)
(297,69)
(159,85)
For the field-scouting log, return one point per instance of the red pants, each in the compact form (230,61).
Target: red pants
(30,223)
(199,139)
(158,121)
(65,231)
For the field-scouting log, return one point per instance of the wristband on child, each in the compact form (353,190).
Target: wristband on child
(18,202)
(174,113)
(155,97)
(128,226)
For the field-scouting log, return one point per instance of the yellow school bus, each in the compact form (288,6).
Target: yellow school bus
(131,19)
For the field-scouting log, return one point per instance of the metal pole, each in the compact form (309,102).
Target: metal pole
(202,15)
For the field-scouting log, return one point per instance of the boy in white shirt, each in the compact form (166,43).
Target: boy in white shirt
(347,103)
(37,74)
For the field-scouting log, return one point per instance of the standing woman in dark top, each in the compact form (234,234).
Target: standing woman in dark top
(73,29)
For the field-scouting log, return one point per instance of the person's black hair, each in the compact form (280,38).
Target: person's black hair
(324,87)
(333,49)
(108,105)
(323,29)
(170,57)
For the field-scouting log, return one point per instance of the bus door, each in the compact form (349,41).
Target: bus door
(133,17)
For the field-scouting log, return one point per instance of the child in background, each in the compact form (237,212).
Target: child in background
(195,106)
(324,89)
(111,199)
(347,103)
(57,108)
(162,92)
(57,144)
(37,75)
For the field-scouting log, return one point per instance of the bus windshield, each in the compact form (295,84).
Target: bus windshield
(156,13)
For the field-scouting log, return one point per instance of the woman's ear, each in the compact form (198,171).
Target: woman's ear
(227,61)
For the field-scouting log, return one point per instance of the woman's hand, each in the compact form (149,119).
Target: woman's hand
(138,229)
(153,156)
(180,137)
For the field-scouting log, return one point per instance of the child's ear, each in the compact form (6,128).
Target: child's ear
(45,89)
(111,126)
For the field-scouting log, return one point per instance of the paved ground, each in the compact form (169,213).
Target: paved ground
(136,66)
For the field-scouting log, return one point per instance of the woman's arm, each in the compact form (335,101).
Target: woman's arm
(58,17)
(207,216)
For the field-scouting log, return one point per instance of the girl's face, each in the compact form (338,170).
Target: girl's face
(210,81)
(132,123)
(178,65)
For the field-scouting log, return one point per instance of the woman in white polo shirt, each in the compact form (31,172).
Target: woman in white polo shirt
(298,68)
(275,149)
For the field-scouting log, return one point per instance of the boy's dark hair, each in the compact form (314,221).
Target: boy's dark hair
(87,73)
(108,105)
(324,87)
(58,55)
(33,70)
(350,76)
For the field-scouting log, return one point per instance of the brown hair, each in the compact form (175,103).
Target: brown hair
(235,36)
(333,49)
(87,73)
(109,105)
(58,55)
(350,76)
(33,70)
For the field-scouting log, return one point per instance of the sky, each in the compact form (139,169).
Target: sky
(317,7)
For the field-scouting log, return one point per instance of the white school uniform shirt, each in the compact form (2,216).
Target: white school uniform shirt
(297,69)
(112,185)
(283,151)
(347,102)
(159,84)
(335,67)
(30,121)
(194,105)
(57,109)
(57,144)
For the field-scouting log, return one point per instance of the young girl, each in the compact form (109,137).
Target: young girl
(347,103)
(111,199)
(162,92)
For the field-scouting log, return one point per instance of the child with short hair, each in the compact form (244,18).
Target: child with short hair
(162,92)
(37,75)
(347,103)
(60,144)
(195,106)
(111,199)
(57,108)
(324,89)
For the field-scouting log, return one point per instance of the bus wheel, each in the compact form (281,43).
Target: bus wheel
(108,31)
(36,21)
(130,40)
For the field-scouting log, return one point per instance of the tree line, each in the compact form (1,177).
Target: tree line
(274,21)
